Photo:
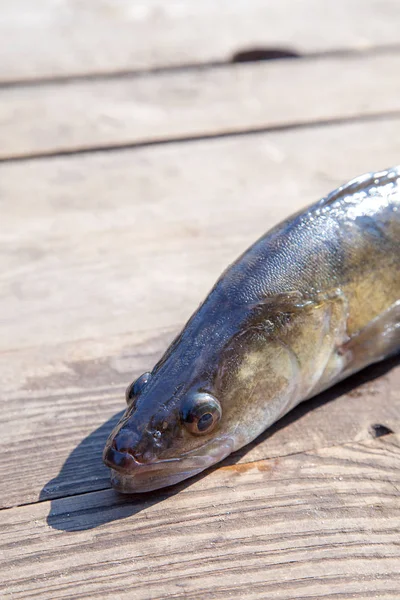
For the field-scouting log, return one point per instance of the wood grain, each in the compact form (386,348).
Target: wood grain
(319,524)
(104,255)
(66,38)
(105,244)
(70,117)
(56,426)
(94,284)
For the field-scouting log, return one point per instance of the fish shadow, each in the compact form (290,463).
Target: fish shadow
(75,508)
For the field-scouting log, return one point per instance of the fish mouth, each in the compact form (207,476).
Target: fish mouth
(148,480)
(129,476)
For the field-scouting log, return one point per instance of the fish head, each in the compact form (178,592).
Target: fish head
(169,432)
(201,403)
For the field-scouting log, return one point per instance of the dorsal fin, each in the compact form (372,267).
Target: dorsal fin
(360,184)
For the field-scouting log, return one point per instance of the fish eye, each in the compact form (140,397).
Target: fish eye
(200,413)
(135,389)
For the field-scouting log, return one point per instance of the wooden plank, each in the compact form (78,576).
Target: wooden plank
(66,38)
(100,245)
(81,259)
(323,524)
(68,117)
(87,398)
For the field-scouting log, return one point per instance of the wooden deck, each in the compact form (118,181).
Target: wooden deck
(139,156)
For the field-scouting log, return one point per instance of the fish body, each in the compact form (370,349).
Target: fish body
(314,300)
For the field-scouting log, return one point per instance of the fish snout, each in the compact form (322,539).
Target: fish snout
(122,452)
(118,460)
(125,441)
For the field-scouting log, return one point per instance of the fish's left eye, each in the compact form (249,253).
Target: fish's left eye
(200,413)
(135,389)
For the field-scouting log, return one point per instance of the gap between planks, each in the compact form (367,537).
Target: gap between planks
(286,55)
(374,117)
(240,99)
(57,465)
(229,464)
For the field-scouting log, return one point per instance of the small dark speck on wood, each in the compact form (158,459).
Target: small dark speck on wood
(377,430)
(259,54)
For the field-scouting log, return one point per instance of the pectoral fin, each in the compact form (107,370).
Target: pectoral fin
(378,340)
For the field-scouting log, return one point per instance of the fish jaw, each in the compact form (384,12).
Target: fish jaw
(148,480)
(131,477)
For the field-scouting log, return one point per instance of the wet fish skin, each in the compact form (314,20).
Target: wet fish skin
(314,300)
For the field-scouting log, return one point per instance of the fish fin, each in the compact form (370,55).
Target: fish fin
(378,340)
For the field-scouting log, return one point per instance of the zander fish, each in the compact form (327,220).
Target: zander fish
(313,301)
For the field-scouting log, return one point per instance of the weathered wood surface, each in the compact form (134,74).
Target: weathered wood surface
(48,39)
(121,111)
(321,524)
(74,257)
(57,464)
(104,255)
(133,240)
